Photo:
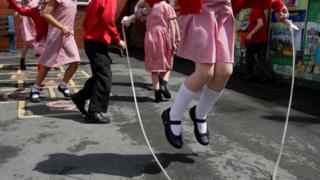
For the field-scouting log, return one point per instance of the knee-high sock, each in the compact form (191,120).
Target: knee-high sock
(183,98)
(207,99)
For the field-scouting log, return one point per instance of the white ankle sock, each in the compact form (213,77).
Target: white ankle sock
(63,85)
(35,88)
(207,99)
(183,98)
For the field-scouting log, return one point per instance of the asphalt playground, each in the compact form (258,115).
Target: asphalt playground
(50,141)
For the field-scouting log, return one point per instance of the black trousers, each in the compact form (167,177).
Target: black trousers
(260,68)
(97,88)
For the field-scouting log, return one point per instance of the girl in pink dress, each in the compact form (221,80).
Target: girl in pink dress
(159,43)
(28,33)
(207,38)
(61,47)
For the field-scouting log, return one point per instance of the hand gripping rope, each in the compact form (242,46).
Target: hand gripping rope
(292,29)
(137,108)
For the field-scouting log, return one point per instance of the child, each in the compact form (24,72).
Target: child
(100,32)
(41,26)
(61,47)
(28,33)
(207,38)
(160,42)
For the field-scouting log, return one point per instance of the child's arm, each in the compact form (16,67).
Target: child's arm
(257,28)
(48,17)
(173,34)
(19,9)
(177,32)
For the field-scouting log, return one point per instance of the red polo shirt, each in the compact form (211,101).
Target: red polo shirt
(262,35)
(99,22)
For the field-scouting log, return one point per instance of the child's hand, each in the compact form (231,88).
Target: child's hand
(66,31)
(122,45)
(126,20)
(174,48)
(249,37)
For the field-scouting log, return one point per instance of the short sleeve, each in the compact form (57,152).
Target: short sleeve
(171,13)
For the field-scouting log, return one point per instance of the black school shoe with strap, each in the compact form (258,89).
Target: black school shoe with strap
(65,91)
(35,97)
(201,138)
(175,141)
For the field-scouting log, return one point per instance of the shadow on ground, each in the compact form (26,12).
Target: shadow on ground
(108,163)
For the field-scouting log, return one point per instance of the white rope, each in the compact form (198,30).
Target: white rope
(138,112)
(274,177)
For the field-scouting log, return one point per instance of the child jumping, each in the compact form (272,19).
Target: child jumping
(160,42)
(61,47)
(207,38)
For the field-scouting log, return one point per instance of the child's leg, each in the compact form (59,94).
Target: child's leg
(156,86)
(24,51)
(187,91)
(42,73)
(163,79)
(72,68)
(155,80)
(212,91)
(63,85)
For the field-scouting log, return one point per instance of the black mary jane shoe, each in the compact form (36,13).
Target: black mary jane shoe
(80,104)
(201,138)
(35,97)
(164,89)
(96,118)
(65,91)
(175,141)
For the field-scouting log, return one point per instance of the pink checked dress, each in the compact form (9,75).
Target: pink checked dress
(208,37)
(28,30)
(157,43)
(61,50)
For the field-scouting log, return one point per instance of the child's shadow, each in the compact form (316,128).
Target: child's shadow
(109,163)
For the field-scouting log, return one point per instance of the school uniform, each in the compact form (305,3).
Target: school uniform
(100,32)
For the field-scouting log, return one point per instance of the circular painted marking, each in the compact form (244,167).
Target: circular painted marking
(61,105)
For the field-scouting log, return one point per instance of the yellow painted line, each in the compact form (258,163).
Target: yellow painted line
(1,66)
(21,110)
(49,115)
(85,74)
(7,102)
(52,93)
(72,83)
(20,84)
(12,80)
(61,69)
(19,71)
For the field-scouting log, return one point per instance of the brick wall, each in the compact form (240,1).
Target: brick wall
(79,33)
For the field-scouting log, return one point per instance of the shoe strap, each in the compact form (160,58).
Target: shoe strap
(201,120)
(173,122)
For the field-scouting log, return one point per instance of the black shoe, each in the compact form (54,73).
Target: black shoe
(35,97)
(23,64)
(164,89)
(201,138)
(175,141)
(65,91)
(80,103)
(96,118)
(157,96)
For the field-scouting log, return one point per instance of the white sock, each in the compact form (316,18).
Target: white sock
(183,98)
(63,85)
(207,99)
(35,88)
